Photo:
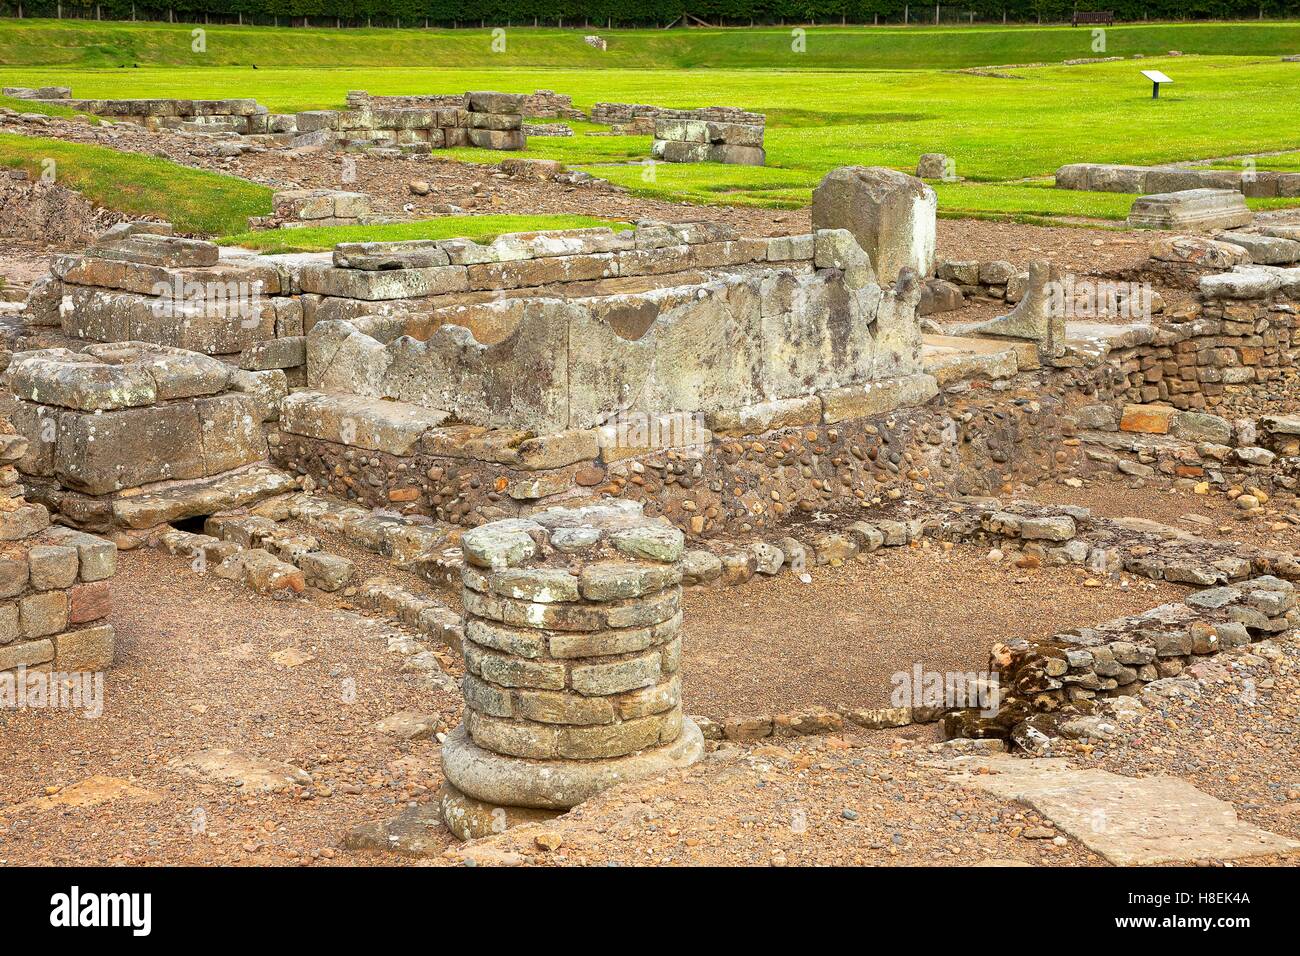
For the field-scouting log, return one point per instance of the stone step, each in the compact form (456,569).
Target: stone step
(391,427)
(951,358)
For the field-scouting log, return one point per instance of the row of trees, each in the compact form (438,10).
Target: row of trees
(628,12)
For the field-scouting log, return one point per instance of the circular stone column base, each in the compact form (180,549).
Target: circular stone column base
(470,819)
(503,782)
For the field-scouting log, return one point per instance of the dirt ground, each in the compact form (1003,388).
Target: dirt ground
(869,799)
(778,645)
(205,664)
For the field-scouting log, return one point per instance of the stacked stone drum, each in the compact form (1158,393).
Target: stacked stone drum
(572,647)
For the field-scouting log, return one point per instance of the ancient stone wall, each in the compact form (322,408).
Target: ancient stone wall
(1106,177)
(237,115)
(104,424)
(614,114)
(483,119)
(405,125)
(694,139)
(708,345)
(54,582)
(771,470)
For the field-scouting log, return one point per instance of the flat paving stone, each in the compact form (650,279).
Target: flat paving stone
(1130,821)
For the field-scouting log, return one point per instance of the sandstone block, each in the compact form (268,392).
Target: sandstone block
(26,654)
(89,602)
(52,567)
(43,613)
(1148,419)
(88,649)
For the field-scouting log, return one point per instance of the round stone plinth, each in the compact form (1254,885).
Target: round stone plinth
(503,781)
(470,819)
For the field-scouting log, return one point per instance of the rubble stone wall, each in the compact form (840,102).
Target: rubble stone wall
(761,473)
(1248,595)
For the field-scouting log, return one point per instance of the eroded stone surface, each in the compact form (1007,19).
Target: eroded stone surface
(1131,822)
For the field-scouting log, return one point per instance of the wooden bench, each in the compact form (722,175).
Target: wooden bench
(1106,17)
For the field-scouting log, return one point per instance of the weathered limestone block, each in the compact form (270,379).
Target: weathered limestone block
(572,646)
(932,166)
(378,256)
(155,250)
(393,427)
(373,285)
(1265,250)
(44,300)
(486,101)
(891,214)
(122,415)
(877,398)
(1203,209)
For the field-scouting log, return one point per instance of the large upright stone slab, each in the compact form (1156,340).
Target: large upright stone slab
(572,649)
(1202,209)
(891,214)
(1038,316)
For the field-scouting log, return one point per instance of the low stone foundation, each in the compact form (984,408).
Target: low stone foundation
(1203,209)
(1105,177)
(692,138)
(483,119)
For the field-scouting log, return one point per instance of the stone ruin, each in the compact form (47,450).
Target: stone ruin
(106,422)
(1109,177)
(572,650)
(712,135)
(413,125)
(574,425)
(483,119)
(54,583)
(409,126)
(1197,209)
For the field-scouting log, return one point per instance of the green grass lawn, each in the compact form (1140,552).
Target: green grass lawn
(994,128)
(194,200)
(858,96)
(1282,163)
(103,44)
(480,229)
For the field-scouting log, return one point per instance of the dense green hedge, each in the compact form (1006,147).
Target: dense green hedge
(636,12)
